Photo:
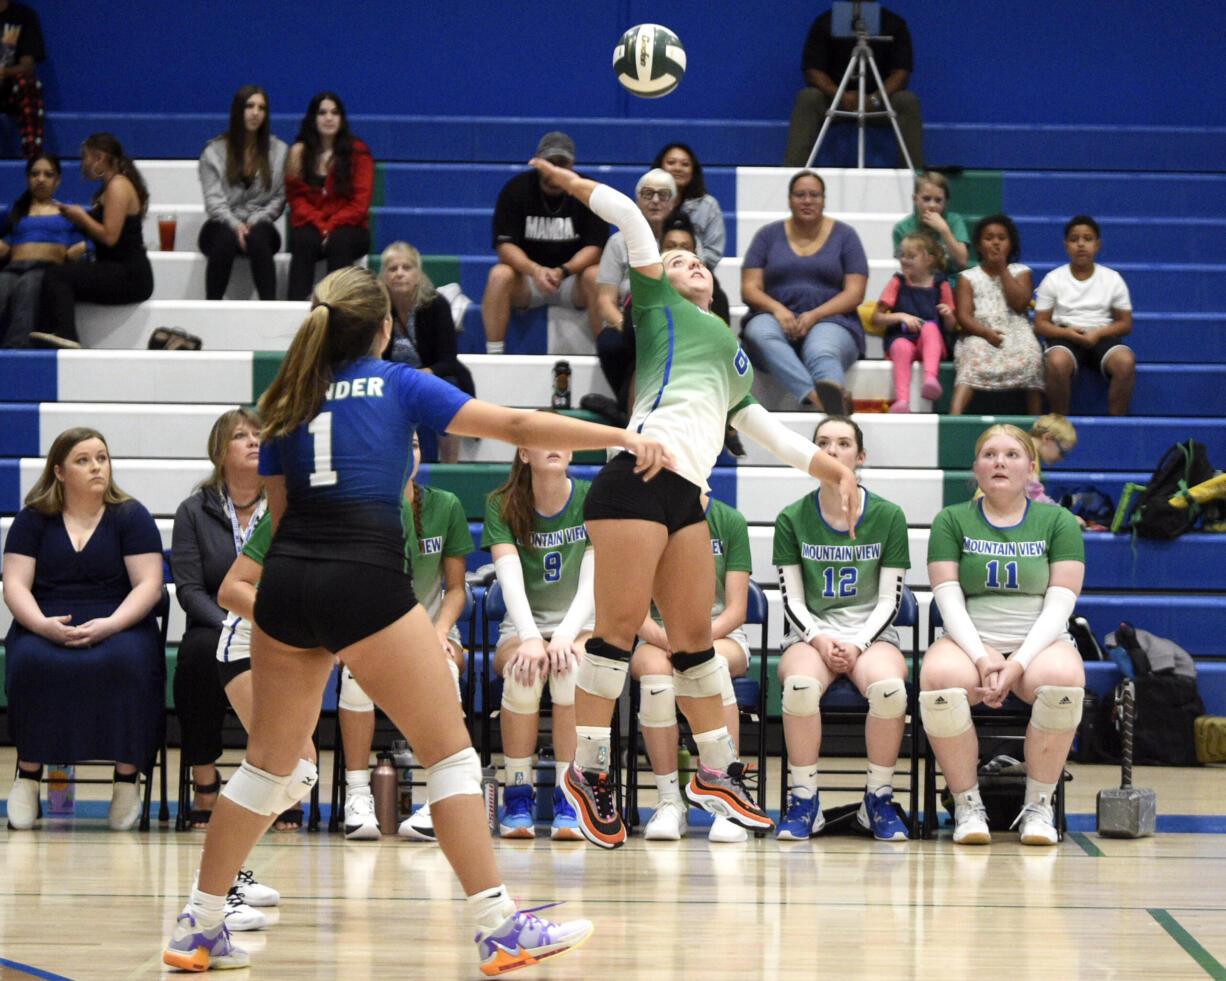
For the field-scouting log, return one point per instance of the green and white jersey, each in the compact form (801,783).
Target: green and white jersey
(840,574)
(444,534)
(730,546)
(235,641)
(690,372)
(1004,572)
(551,560)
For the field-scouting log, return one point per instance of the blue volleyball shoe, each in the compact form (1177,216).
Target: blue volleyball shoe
(802,820)
(878,814)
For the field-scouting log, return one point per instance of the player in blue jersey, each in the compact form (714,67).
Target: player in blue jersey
(335,455)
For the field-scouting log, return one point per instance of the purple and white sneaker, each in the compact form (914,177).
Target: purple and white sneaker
(523,940)
(194,949)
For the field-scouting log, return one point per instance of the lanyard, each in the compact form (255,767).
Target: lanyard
(240,536)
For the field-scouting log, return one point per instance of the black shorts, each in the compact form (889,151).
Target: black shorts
(331,604)
(667,499)
(229,670)
(1090,357)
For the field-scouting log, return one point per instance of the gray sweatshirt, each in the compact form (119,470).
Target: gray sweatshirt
(233,203)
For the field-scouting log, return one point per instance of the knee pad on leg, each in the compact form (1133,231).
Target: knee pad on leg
(657,701)
(562,688)
(266,793)
(946,712)
(352,698)
(520,698)
(887,699)
(802,695)
(457,775)
(602,672)
(727,693)
(696,674)
(1057,708)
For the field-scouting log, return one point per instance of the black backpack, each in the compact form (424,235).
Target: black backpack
(1152,516)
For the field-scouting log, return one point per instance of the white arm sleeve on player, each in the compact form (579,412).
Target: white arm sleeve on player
(511,578)
(617,209)
(760,426)
(958,624)
(1049,625)
(584,604)
(889,599)
(792,586)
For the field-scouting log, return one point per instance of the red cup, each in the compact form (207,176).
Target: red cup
(166,232)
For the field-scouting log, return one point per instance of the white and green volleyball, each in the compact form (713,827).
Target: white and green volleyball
(649,60)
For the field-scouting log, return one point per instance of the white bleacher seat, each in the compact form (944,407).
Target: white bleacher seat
(133,429)
(171,182)
(890,440)
(227,326)
(847,191)
(729,273)
(874,228)
(155,376)
(179,275)
(762,492)
(160,485)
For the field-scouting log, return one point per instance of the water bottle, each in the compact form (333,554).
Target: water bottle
(403,759)
(383,786)
(489,791)
(561,385)
(61,789)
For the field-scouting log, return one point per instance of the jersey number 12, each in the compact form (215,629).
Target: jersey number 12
(320,428)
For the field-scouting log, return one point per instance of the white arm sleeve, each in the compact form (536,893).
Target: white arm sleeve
(889,599)
(760,426)
(958,624)
(584,604)
(511,578)
(617,209)
(792,586)
(1049,626)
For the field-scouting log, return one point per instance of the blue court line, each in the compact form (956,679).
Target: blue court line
(1211,965)
(33,972)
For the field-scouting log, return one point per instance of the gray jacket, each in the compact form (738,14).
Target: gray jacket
(233,203)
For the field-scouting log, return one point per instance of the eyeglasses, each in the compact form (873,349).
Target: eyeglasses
(808,195)
(660,193)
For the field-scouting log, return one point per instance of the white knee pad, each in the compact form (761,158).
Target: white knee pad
(946,712)
(601,676)
(352,698)
(887,699)
(1057,708)
(457,775)
(726,691)
(702,680)
(657,701)
(802,695)
(266,793)
(520,698)
(562,688)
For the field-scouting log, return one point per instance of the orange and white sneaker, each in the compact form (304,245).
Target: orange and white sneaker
(726,795)
(193,948)
(523,940)
(590,793)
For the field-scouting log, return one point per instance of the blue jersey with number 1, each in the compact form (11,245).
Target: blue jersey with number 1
(345,470)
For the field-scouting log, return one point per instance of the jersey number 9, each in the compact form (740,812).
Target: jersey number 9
(553,566)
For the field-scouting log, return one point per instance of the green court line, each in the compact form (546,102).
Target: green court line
(1085,844)
(1206,960)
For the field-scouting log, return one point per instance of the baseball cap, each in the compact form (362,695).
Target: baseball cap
(556,145)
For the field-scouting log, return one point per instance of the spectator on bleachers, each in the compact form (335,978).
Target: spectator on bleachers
(242,174)
(998,349)
(701,208)
(803,279)
(329,181)
(548,245)
(84,669)
(1005,572)
(423,333)
(652,667)
(931,200)
(839,604)
(120,272)
(1054,438)
(35,235)
(825,59)
(211,527)
(1084,311)
(21,93)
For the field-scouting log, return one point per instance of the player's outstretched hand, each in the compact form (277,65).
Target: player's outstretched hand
(849,495)
(561,176)
(652,455)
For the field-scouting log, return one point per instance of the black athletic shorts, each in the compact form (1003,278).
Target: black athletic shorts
(667,499)
(329,603)
(1089,357)
(229,670)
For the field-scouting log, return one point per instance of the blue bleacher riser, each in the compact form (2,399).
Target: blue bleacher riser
(1186,287)
(1129,240)
(1159,336)
(1191,563)
(1102,677)
(1058,483)
(28,376)
(1113,444)
(1161,390)
(1195,623)
(1115,194)
(18,429)
(10,486)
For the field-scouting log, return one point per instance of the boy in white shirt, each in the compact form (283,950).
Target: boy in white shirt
(1084,311)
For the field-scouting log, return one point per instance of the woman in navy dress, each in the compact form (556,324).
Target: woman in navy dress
(84,672)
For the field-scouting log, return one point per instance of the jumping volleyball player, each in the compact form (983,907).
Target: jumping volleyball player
(652,540)
(338,427)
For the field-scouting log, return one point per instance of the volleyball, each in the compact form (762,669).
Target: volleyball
(649,60)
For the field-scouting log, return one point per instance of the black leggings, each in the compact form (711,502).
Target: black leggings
(200,701)
(111,283)
(345,246)
(219,242)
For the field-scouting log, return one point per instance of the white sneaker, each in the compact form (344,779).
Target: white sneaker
(125,807)
(724,830)
(23,804)
(360,823)
(418,826)
(971,826)
(669,822)
(1036,824)
(254,893)
(240,916)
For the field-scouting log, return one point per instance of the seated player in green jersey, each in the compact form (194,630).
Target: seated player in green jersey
(840,597)
(651,666)
(534,529)
(1005,573)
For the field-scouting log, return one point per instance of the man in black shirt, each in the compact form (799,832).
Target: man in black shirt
(21,93)
(548,246)
(824,61)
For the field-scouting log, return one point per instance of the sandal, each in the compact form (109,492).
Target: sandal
(198,817)
(290,820)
